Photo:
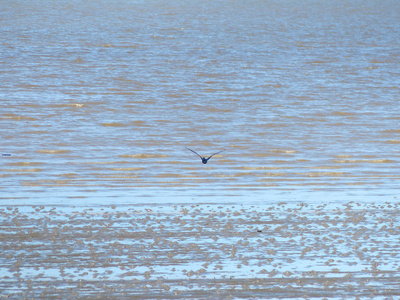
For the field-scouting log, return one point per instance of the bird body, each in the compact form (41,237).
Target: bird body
(203,159)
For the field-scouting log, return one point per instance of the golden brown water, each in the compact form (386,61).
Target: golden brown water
(101,99)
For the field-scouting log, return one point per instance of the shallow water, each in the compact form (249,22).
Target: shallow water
(202,251)
(98,101)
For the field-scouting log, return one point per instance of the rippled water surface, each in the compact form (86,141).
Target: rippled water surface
(98,100)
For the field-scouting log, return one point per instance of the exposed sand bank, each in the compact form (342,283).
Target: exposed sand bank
(201,251)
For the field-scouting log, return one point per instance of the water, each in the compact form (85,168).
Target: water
(98,101)
(101,98)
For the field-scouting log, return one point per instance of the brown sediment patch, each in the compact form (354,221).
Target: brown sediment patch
(343,114)
(127,169)
(25,163)
(46,183)
(22,170)
(68,175)
(367,161)
(17,117)
(100,162)
(61,151)
(170,162)
(114,124)
(283,151)
(325,167)
(262,168)
(391,131)
(143,156)
(118,176)
(275,174)
(276,152)
(322,174)
(207,251)
(172,175)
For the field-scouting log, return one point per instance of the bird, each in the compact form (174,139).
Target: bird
(203,159)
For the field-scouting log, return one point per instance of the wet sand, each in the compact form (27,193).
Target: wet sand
(202,251)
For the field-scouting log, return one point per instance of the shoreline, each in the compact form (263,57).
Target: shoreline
(283,250)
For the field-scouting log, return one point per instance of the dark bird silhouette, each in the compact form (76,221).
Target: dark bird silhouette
(203,159)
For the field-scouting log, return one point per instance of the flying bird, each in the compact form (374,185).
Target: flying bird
(203,159)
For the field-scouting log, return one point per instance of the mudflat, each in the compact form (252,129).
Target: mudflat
(207,251)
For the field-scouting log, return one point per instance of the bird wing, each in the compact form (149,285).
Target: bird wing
(215,154)
(194,152)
